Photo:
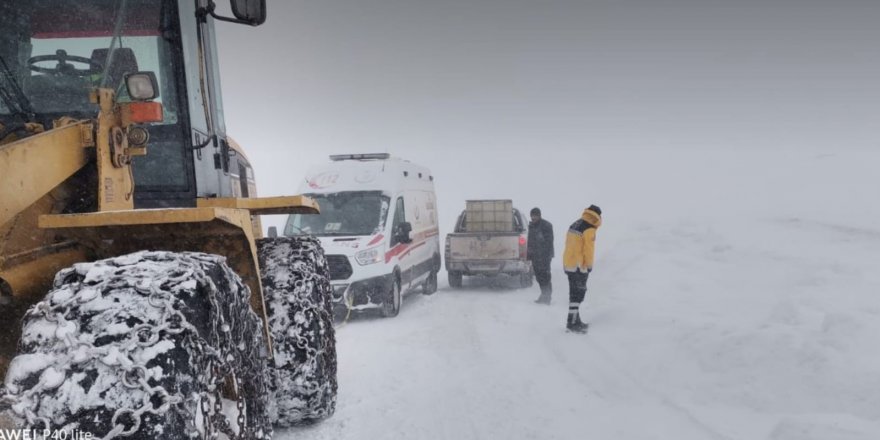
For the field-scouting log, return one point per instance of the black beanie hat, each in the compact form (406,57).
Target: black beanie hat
(595,209)
(535,211)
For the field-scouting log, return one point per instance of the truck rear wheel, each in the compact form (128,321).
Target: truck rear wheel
(296,287)
(455,279)
(141,346)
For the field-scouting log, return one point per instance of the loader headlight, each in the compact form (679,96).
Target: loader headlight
(369,256)
(142,86)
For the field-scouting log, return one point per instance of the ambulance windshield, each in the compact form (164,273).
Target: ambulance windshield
(349,213)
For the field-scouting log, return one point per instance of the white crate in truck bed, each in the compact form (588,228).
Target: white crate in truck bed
(488,216)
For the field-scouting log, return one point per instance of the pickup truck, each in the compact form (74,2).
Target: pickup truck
(489,240)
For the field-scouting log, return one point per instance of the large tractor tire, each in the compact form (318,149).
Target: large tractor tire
(141,346)
(296,288)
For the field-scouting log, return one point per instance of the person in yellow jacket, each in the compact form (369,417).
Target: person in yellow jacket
(577,260)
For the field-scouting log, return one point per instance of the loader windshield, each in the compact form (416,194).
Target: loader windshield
(56,51)
(344,213)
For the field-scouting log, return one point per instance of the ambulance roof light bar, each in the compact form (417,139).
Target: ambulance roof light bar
(368,156)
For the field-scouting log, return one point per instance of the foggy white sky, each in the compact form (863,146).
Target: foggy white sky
(545,82)
(732,145)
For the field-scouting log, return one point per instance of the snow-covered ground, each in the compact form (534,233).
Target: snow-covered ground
(736,296)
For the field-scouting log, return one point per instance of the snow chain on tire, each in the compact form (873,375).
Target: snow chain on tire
(142,346)
(296,288)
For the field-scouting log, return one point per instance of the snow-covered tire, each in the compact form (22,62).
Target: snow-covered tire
(430,286)
(391,305)
(129,346)
(526,279)
(296,288)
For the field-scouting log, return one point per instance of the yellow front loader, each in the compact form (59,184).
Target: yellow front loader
(138,297)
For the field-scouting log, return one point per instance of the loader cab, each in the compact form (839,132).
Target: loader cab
(54,52)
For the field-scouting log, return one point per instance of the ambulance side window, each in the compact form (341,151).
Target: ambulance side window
(399,217)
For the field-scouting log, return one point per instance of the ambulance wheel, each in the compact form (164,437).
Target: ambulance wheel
(430,286)
(391,305)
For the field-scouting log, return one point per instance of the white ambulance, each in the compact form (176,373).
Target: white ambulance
(378,225)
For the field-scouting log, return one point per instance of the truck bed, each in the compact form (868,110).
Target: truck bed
(484,246)
(486,253)
(498,245)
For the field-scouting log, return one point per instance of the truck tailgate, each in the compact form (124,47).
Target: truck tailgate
(485,246)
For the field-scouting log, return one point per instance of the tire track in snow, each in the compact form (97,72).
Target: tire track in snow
(474,365)
(624,379)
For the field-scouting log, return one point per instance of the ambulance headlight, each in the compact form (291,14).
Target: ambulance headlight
(369,256)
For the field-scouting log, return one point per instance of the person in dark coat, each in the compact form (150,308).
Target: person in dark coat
(540,253)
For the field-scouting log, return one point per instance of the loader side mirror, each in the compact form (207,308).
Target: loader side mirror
(273,232)
(252,12)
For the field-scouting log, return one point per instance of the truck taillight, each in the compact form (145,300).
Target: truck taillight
(522,240)
(522,246)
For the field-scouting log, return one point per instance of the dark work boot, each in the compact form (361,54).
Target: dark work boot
(581,324)
(577,327)
(574,324)
(545,296)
